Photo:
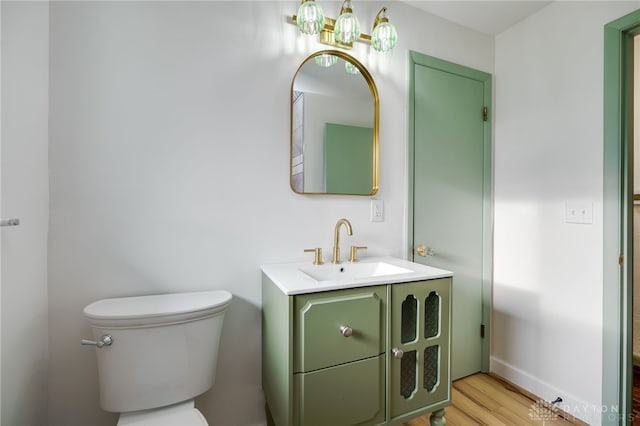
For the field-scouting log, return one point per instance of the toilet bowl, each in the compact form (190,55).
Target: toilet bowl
(156,353)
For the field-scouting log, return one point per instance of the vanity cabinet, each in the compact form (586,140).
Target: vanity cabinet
(371,355)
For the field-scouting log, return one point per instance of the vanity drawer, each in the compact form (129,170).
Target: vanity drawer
(345,395)
(336,327)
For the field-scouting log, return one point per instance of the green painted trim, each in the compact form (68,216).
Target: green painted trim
(611,224)
(617,357)
(487,231)
(411,143)
(416,58)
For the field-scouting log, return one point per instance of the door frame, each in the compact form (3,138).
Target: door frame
(0,211)
(617,309)
(486,79)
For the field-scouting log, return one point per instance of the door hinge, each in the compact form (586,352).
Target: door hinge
(485,114)
(482,331)
(621,259)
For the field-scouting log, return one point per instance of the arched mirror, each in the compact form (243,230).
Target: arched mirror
(334,126)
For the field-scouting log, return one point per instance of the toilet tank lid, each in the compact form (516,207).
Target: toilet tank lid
(159,305)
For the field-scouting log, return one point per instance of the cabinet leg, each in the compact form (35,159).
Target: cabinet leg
(437,418)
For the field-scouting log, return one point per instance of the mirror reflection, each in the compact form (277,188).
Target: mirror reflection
(334,126)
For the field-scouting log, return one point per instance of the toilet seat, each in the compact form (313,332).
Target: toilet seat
(182,414)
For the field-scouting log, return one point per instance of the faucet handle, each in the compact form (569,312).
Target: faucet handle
(317,255)
(353,253)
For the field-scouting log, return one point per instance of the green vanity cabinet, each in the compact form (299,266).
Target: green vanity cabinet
(327,357)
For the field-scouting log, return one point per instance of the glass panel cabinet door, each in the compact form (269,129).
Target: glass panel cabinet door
(420,343)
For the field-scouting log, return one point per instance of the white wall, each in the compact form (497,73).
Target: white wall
(25,45)
(169,158)
(547,321)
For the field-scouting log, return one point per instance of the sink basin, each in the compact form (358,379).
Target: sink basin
(304,277)
(331,272)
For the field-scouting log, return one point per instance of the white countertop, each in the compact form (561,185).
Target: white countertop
(292,280)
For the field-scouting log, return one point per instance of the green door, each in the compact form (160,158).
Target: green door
(348,159)
(451,194)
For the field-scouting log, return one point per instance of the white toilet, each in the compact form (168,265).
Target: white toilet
(157,353)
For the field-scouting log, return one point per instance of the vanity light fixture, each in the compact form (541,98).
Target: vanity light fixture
(345,30)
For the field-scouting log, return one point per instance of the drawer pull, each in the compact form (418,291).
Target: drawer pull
(397,353)
(346,331)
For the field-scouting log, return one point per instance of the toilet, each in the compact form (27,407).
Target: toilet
(156,353)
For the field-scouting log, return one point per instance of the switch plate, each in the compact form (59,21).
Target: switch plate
(579,212)
(377,211)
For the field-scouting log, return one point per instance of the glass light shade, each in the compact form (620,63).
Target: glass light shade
(310,18)
(384,37)
(350,68)
(347,26)
(326,60)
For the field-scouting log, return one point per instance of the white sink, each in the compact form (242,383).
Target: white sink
(304,277)
(331,272)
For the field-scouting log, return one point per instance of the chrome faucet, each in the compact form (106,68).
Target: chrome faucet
(336,239)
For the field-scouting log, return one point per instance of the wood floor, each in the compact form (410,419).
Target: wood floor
(484,399)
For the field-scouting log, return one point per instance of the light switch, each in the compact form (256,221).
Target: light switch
(377,211)
(579,212)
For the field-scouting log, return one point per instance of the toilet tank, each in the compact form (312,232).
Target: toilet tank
(164,350)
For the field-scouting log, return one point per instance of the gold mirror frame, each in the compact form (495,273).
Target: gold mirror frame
(376,112)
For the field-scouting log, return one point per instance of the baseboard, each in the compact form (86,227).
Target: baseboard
(591,413)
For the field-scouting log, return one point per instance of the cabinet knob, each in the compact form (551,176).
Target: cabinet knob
(346,331)
(397,353)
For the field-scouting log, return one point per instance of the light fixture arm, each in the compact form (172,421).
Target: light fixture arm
(345,9)
(327,37)
(380,18)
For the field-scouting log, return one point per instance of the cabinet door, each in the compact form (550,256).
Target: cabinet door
(420,328)
(345,395)
(320,338)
